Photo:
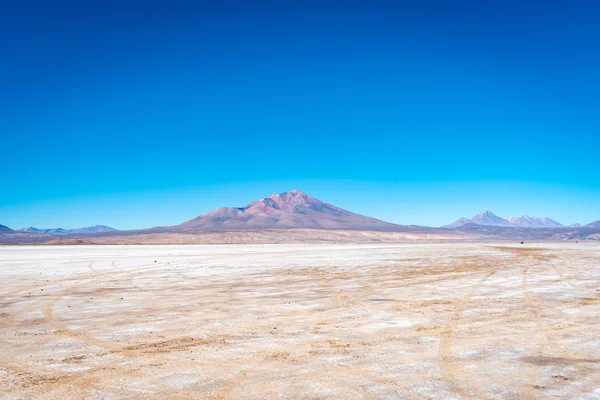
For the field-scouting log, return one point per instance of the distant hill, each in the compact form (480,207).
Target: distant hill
(61,231)
(5,229)
(286,210)
(458,223)
(593,225)
(92,229)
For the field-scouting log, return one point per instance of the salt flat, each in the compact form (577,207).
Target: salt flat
(375,321)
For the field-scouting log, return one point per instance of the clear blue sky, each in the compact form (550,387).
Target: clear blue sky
(136,114)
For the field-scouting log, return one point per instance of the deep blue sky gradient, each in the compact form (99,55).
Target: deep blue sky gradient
(135,114)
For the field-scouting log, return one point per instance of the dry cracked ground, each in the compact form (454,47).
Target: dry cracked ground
(387,321)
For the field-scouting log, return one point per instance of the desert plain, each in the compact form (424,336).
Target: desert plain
(450,320)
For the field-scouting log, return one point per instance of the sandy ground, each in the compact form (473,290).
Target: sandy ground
(384,321)
(263,236)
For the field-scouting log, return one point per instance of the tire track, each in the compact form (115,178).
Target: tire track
(62,327)
(448,360)
(538,307)
(39,285)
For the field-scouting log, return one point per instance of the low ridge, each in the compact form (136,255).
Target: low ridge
(458,223)
(61,231)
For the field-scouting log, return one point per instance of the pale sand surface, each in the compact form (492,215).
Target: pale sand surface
(374,321)
(270,236)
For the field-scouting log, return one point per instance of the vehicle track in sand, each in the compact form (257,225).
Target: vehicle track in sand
(542,310)
(359,293)
(547,335)
(453,373)
(48,305)
(62,328)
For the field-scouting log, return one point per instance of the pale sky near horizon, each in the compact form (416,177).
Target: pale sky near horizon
(431,204)
(137,114)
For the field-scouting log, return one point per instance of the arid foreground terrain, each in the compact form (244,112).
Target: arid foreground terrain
(414,321)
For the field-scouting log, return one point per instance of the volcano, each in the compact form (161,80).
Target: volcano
(286,210)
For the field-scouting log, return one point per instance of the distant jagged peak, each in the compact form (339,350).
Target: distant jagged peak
(490,219)
(486,213)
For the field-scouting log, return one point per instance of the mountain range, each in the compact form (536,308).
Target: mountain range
(534,222)
(487,218)
(526,227)
(305,218)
